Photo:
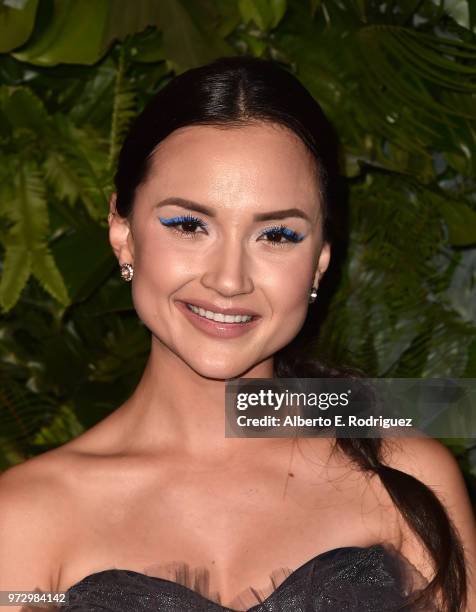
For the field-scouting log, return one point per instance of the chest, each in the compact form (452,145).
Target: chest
(236,526)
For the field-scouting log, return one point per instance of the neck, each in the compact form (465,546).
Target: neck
(175,409)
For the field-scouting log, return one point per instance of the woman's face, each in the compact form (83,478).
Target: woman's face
(224,256)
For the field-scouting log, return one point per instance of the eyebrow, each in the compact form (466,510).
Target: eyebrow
(204,210)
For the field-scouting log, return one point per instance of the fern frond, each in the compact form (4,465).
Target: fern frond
(405,66)
(44,267)
(27,240)
(124,108)
(75,166)
(15,274)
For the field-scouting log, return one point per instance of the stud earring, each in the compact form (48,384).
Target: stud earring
(313,295)
(127,271)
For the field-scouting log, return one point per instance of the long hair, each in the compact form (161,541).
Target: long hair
(238,91)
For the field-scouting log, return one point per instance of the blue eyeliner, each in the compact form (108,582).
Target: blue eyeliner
(289,233)
(182,219)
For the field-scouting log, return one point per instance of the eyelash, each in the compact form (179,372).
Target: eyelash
(281,230)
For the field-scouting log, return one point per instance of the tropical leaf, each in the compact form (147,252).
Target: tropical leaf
(184,42)
(460,220)
(26,244)
(16,23)
(27,208)
(61,175)
(75,166)
(266,14)
(63,426)
(124,109)
(44,267)
(459,10)
(15,273)
(63,40)
(86,273)
(149,47)
(24,110)
(461,290)
(22,412)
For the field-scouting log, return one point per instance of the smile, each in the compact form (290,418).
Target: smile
(219,317)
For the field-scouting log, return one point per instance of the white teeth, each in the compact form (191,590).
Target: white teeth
(217,316)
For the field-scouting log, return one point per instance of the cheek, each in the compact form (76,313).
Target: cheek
(288,286)
(287,289)
(158,273)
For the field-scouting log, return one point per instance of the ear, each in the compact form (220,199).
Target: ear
(322,262)
(120,235)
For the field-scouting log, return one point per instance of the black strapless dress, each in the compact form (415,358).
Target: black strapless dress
(347,579)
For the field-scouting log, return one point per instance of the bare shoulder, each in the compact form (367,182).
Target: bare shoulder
(33,520)
(434,465)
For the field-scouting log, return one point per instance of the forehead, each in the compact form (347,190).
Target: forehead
(246,165)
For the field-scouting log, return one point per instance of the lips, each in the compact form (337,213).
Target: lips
(220,310)
(218,329)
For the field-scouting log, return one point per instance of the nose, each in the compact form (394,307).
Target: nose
(228,269)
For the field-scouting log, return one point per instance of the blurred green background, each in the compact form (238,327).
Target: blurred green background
(397,79)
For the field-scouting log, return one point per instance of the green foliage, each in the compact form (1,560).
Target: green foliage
(26,243)
(123,110)
(396,79)
(16,23)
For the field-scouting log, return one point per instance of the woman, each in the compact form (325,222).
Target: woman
(225,193)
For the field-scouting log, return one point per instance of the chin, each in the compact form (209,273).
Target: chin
(221,370)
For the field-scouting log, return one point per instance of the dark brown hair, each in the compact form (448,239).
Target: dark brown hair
(234,92)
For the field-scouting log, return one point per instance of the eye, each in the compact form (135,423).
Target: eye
(277,233)
(189,224)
